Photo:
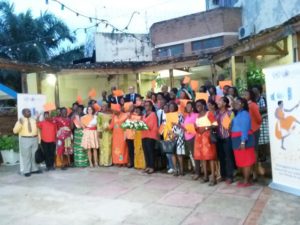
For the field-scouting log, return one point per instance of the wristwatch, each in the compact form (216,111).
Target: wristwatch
(242,143)
(206,128)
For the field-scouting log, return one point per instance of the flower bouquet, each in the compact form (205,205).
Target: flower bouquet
(134,125)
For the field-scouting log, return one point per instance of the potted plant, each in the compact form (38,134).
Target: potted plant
(9,147)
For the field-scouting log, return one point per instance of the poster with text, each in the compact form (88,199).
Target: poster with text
(33,102)
(283,101)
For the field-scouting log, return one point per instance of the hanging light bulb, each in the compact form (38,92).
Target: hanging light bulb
(62,6)
(85,30)
(91,20)
(47,2)
(77,14)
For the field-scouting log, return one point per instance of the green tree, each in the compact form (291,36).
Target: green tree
(29,39)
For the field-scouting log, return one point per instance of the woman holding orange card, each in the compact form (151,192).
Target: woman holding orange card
(104,118)
(119,146)
(190,132)
(224,146)
(204,149)
(90,136)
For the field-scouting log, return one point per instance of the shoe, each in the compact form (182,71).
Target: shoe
(212,183)
(37,172)
(63,168)
(52,168)
(182,174)
(129,166)
(204,180)
(176,173)
(146,170)
(47,169)
(170,171)
(243,185)
(27,174)
(229,181)
(150,171)
(195,177)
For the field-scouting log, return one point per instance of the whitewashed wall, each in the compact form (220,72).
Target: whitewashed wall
(121,47)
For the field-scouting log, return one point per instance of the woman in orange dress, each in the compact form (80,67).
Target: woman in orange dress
(119,146)
(204,150)
(285,124)
(90,136)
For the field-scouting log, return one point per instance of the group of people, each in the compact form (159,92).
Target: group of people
(214,136)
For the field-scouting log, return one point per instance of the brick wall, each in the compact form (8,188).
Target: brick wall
(196,26)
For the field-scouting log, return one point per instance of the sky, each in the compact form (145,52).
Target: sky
(117,12)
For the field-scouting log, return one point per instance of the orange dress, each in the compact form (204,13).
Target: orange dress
(284,123)
(204,149)
(119,146)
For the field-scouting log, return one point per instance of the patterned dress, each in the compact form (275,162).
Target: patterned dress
(64,135)
(264,128)
(103,121)
(180,148)
(80,155)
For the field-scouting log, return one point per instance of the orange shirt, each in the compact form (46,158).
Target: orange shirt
(48,131)
(255,116)
(152,124)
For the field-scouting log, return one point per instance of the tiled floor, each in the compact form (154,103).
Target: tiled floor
(126,196)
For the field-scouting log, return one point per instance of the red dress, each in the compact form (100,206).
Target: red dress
(64,135)
(204,149)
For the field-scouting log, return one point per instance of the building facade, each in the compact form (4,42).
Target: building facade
(195,34)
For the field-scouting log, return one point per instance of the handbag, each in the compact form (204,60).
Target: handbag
(167,147)
(213,136)
(39,155)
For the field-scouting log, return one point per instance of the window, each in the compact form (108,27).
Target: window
(207,43)
(174,50)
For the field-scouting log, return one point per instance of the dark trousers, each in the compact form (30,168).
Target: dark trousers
(49,151)
(225,155)
(130,144)
(148,146)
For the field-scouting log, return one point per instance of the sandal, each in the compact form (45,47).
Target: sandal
(176,173)
(150,171)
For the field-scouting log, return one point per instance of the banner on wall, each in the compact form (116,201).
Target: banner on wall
(33,102)
(283,98)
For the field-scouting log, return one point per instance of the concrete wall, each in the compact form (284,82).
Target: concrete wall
(120,47)
(262,14)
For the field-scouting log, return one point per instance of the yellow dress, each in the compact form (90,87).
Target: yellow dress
(105,156)
(139,159)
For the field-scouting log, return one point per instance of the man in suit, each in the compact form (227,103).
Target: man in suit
(131,96)
(112,99)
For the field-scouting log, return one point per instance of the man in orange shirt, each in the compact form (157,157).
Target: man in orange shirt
(48,135)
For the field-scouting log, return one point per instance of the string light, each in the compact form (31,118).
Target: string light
(107,24)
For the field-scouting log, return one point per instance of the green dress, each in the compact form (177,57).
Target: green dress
(80,155)
(105,157)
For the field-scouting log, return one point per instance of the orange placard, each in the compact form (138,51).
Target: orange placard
(153,84)
(186,80)
(85,120)
(118,93)
(161,129)
(172,117)
(194,85)
(226,122)
(128,106)
(49,107)
(92,93)
(190,128)
(115,107)
(79,100)
(200,95)
(223,83)
(97,107)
